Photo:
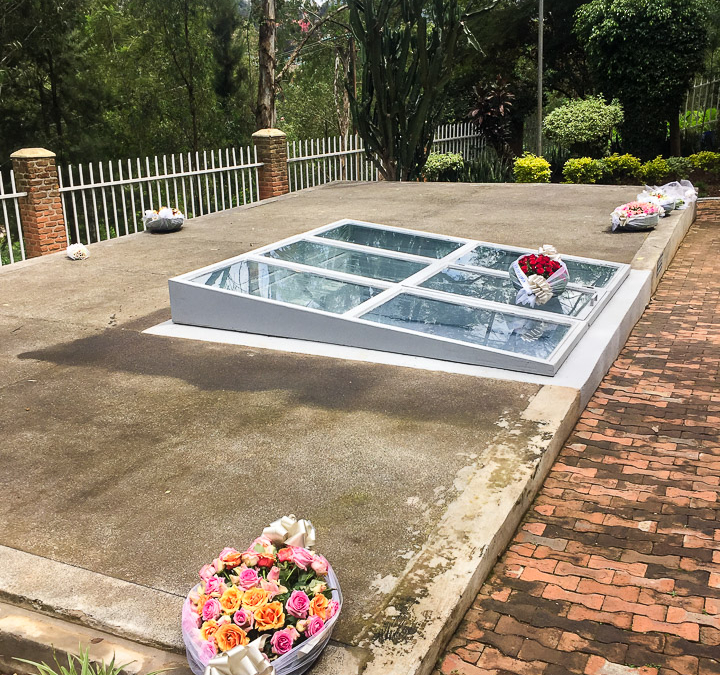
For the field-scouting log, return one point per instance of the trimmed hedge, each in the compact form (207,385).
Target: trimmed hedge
(582,170)
(620,169)
(531,169)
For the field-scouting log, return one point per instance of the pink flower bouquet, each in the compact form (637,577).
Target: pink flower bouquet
(288,593)
(635,216)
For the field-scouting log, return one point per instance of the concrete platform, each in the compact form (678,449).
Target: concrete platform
(130,459)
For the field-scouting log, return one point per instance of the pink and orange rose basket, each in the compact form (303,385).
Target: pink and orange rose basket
(277,600)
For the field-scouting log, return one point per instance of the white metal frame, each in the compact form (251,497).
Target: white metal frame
(6,221)
(388,290)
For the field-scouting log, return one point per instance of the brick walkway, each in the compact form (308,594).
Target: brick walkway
(616,567)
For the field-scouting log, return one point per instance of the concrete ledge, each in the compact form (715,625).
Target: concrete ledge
(442,581)
(91,599)
(661,244)
(32,636)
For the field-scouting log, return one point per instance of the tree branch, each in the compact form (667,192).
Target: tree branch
(296,52)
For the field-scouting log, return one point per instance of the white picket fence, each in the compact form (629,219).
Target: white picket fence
(323,160)
(12,247)
(104,200)
(460,138)
(702,102)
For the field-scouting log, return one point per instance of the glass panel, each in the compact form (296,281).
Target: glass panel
(392,241)
(584,273)
(344,260)
(501,289)
(483,327)
(297,288)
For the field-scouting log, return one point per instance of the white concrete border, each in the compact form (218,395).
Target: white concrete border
(582,370)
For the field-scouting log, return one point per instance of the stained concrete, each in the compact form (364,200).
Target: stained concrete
(139,457)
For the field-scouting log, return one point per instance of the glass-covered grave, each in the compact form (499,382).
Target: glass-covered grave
(399,290)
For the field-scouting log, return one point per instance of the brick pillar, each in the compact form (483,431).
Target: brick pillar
(271,147)
(41,212)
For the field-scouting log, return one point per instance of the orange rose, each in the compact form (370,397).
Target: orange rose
(229,636)
(254,599)
(201,601)
(270,616)
(318,606)
(230,600)
(208,629)
(231,559)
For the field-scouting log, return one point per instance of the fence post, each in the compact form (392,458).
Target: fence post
(41,211)
(271,147)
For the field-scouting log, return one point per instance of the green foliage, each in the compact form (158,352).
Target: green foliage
(644,53)
(488,167)
(584,125)
(706,161)
(443,166)
(531,169)
(80,665)
(408,48)
(680,167)
(306,105)
(698,118)
(96,79)
(582,170)
(654,171)
(621,169)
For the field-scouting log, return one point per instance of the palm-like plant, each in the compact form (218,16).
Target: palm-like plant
(490,113)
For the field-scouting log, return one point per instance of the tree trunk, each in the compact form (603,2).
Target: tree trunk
(265,110)
(675,149)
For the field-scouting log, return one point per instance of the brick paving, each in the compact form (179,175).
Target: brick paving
(616,568)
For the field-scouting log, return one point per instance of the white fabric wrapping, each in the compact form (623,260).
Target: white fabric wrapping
(291,531)
(77,252)
(535,293)
(248,660)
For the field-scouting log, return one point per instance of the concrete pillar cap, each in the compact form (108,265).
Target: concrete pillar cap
(269,133)
(32,153)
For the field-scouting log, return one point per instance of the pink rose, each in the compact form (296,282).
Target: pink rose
(274,574)
(206,571)
(298,604)
(332,609)
(272,588)
(230,557)
(250,559)
(211,609)
(262,541)
(314,625)
(244,619)
(319,565)
(248,579)
(208,649)
(214,586)
(301,556)
(282,641)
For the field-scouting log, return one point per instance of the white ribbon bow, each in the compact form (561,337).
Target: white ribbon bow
(291,531)
(549,250)
(242,660)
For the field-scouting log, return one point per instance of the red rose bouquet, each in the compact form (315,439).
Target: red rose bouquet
(539,264)
(539,276)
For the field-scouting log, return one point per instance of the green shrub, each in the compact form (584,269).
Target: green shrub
(680,167)
(443,166)
(621,169)
(655,171)
(582,170)
(583,125)
(531,169)
(706,161)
